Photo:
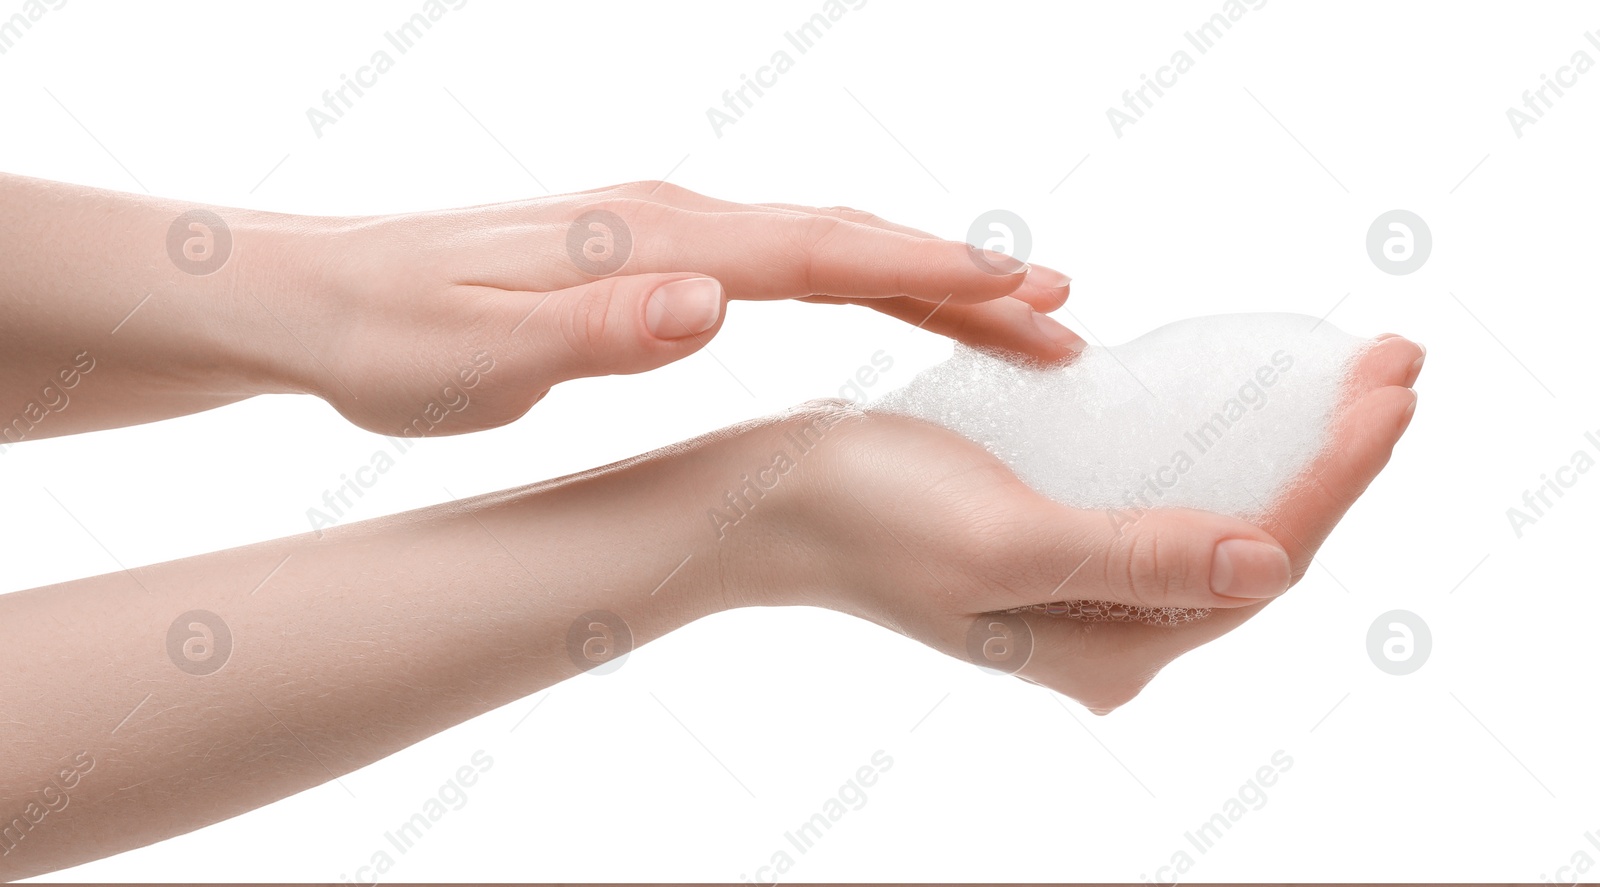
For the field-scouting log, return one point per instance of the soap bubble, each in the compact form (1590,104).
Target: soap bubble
(1110,611)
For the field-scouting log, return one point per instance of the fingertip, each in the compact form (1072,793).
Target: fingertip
(679,309)
(1391,407)
(1394,360)
(1062,342)
(1046,289)
(1048,278)
(622,325)
(1249,571)
(1406,412)
(996,263)
(1416,366)
(1369,430)
(978,275)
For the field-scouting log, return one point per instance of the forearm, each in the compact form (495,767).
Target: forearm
(343,649)
(104,323)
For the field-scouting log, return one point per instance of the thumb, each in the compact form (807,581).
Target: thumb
(1166,557)
(626,324)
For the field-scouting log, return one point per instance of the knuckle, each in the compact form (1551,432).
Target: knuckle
(632,189)
(640,216)
(850,213)
(587,321)
(816,231)
(626,206)
(812,235)
(654,189)
(1151,568)
(990,546)
(1336,489)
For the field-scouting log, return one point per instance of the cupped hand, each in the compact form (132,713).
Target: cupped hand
(453,321)
(926,533)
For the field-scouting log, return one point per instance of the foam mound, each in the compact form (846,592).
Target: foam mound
(1220,413)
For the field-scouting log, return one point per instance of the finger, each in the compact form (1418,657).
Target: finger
(1046,289)
(1365,436)
(1106,664)
(1166,557)
(616,325)
(1390,360)
(853,215)
(1006,324)
(770,255)
(755,253)
(1376,411)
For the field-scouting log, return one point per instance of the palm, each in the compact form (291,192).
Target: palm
(939,533)
(1127,655)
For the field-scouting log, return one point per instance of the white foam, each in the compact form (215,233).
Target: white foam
(1220,413)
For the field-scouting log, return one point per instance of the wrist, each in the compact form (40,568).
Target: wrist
(773,502)
(719,522)
(285,303)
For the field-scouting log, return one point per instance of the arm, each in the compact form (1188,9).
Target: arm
(327,654)
(100,326)
(117,309)
(347,648)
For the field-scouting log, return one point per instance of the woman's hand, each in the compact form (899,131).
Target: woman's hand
(924,532)
(623,280)
(439,322)
(464,607)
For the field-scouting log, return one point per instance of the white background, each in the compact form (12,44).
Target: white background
(1249,186)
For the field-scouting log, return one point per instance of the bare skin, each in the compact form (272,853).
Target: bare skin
(382,633)
(342,649)
(381,315)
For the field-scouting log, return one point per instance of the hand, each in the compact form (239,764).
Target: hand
(439,322)
(924,532)
(453,321)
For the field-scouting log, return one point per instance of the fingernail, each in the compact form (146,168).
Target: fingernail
(683,308)
(1416,368)
(1244,568)
(995,262)
(1049,277)
(1057,333)
(1405,416)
